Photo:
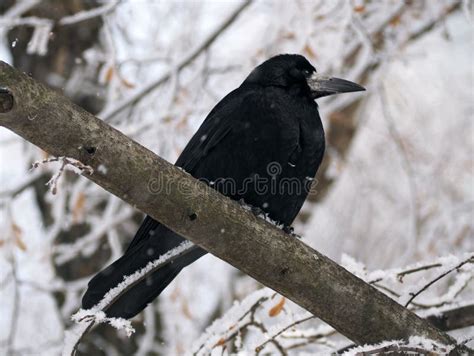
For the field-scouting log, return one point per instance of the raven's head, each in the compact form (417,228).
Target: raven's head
(294,71)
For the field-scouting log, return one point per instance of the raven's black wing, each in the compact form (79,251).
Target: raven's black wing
(215,127)
(240,137)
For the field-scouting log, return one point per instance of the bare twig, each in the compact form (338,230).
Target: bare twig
(417,269)
(15,311)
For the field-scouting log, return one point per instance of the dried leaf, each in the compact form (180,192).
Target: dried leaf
(186,311)
(220,342)
(17,233)
(359,9)
(21,245)
(395,21)
(175,294)
(229,328)
(275,310)
(288,35)
(78,208)
(109,74)
(309,51)
(126,83)
(182,123)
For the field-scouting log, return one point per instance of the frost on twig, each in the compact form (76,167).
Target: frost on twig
(253,326)
(415,346)
(267,321)
(43,27)
(38,43)
(97,313)
(76,166)
(98,317)
(395,282)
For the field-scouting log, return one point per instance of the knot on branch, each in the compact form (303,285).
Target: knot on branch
(6,100)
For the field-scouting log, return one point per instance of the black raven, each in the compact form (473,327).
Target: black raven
(262,144)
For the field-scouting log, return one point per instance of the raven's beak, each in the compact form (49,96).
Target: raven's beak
(322,85)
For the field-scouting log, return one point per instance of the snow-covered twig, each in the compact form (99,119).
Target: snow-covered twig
(404,291)
(245,317)
(138,94)
(236,318)
(433,281)
(99,317)
(65,162)
(415,345)
(97,314)
(67,251)
(38,43)
(273,337)
(105,9)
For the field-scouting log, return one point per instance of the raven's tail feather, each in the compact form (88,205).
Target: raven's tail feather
(144,248)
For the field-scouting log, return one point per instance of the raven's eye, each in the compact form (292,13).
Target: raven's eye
(306,72)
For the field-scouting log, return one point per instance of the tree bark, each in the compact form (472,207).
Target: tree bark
(453,319)
(202,215)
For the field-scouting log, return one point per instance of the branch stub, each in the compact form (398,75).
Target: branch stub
(6,100)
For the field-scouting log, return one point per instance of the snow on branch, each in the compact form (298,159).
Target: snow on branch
(98,317)
(96,314)
(258,315)
(415,346)
(262,322)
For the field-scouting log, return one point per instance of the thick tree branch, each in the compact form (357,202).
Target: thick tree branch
(202,215)
(446,320)
(454,318)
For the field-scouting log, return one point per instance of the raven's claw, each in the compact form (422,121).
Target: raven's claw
(288,229)
(258,212)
